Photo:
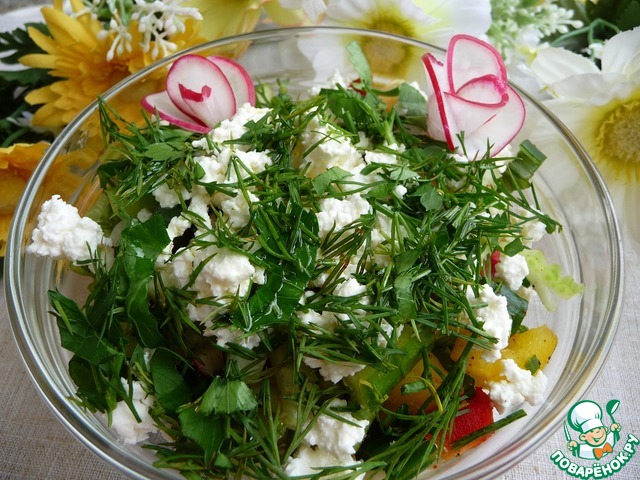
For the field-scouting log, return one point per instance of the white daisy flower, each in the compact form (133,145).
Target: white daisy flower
(431,21)
(601,106)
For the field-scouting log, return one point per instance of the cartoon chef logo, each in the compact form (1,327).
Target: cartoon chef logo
(595,439)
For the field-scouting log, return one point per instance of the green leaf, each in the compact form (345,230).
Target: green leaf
(403,284)
(208,431)
(516,306)
(514,247)
(170,387)
(274,302)
(411,102)
(548,280)
(77,334)
(146,240)
(533,365)
(88,382)
(164,152)
(322,182)
(360,63)
(19,42)
(430,198)
(141,245)
(226,396)
(518,174)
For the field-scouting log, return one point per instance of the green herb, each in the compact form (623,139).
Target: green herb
(230,373)
(533,364)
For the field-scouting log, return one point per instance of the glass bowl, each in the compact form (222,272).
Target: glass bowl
(569,188)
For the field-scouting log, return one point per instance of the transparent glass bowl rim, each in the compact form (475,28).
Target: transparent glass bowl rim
(137,468)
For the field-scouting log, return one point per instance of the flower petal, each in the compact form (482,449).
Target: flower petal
(621,52)
(554,64)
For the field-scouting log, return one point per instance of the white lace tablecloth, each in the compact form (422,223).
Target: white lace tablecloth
(35,445)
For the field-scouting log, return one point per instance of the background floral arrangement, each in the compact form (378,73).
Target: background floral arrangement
(582,58)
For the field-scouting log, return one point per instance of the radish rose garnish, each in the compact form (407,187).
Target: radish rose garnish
(470,104)
(201,92)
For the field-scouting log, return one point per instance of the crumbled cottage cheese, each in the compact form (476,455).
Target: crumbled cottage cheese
(512,270)
(497,322)
(332,371)
(237,209)
(227,273)
(336,214)
(337,437)
(518,386)
(326,148)
(532,229)
(125,424)
(234,127)
(226,335)
(308,460)
(63,233)
(325,320)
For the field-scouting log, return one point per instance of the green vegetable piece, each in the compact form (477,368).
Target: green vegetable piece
(77,334)
(322,183)
(206,430)
(548,280)
(360,63)
(411,102)
(371,386)
(533,364)
(226,396)
(141,245)
(170,387)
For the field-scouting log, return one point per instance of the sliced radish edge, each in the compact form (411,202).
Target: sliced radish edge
(201,92)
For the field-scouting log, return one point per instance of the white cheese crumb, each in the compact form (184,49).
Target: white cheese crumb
(333,372)
(308,460)
(337,437)
(63,233)
(125,424)
(350,288)
(227,273)
(226,335)
(400,191)
(512,270)
(497,322)
(167,197)
(326,148)
(237,209)
(336,214)
(325,320)
(518,386)
(234,127)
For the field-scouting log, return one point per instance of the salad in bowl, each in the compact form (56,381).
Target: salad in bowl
(334,280)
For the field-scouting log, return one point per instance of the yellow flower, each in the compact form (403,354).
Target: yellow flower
(17,162)
(225,18)
(76,52)
(601,107)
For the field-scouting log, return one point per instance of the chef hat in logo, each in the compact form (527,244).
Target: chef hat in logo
(585,416)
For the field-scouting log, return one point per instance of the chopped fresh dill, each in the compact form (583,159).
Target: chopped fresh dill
(294,273)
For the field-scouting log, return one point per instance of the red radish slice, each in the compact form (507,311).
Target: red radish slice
(504,126)
(468,58)
(470,98)
(160,104)
(200,89)
(238,78)
(488,90)
(437,115)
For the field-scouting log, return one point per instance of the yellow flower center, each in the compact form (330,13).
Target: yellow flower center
(618,141)
(387,58)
